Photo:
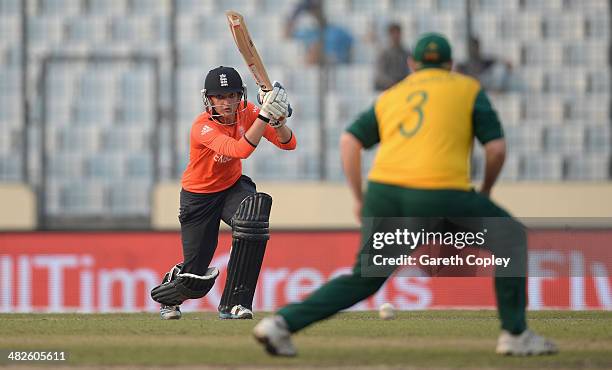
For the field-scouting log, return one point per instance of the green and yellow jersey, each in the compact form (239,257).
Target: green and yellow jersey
(426,126)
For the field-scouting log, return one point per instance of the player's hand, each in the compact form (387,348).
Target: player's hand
(262,93)
(275,104)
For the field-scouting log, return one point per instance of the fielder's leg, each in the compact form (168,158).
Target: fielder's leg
(506,237)
(250,235)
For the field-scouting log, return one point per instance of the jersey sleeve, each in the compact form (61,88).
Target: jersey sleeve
(270,135)
(486,124)
(205,135)
(365,128)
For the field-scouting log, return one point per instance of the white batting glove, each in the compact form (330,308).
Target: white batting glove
(275,104)
(262,93)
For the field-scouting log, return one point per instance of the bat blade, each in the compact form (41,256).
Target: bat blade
(248,50)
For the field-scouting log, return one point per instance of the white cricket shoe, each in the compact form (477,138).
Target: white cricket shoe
(237,312)
(273,334)
(170,312)
(525,344)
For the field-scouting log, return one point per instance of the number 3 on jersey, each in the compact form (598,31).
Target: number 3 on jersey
(416,100)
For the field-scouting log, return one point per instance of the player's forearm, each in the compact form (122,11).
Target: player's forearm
(350,149)
(283,134)
(495,155)
(255,132)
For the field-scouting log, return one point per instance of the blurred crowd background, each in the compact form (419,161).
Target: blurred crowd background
(97,96)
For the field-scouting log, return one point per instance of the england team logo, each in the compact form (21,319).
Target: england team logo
(223,79)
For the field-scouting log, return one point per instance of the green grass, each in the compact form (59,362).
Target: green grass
(431,339)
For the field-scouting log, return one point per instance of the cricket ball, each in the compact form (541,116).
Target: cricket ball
(386,311)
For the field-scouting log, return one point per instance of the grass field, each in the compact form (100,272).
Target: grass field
(432,339)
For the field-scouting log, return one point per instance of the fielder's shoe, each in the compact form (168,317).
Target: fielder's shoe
(273,334)
(525,344)
(170,312)
(237,312)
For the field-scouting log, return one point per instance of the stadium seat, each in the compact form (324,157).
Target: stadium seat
(131,29)
(337,8)
(245,7)
(597,26)
(414,6)
(10,167)
(91,114)
(542,5)
(486,26)
(598,81)
(210,28)
(148,7)
(520,26)
(455,6)
(508,107)
(10,7)
(195,6)
(551,108)
(104,7)
(591,5)
(367,7)
(104,167)
(352,78)
(524,139)
(9,28)
(139,166)
(549,54)
(598,139)
(588,167)
(206,55)
(594,109)
(129,139)
(89,29)
(564,139)
(78,139)
(59,7)
(497,6)
(586,53)
(563,26)
(45,30)
(65,166)
(450,24)
(570,81)
(544,167)
(81,198)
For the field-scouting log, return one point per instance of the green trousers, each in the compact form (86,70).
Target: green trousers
(392,201)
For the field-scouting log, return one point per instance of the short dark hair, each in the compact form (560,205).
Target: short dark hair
(394,26)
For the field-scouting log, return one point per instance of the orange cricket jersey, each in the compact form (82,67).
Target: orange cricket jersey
(216,150)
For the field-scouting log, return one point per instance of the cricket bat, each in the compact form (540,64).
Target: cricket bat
(247,49)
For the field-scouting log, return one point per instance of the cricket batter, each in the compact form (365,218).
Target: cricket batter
(214,189)
(425,126)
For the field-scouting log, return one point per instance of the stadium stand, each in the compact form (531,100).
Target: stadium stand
(101,117)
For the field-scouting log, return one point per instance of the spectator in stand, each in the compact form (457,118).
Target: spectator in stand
(337,42)
(495,75)
(392,62)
